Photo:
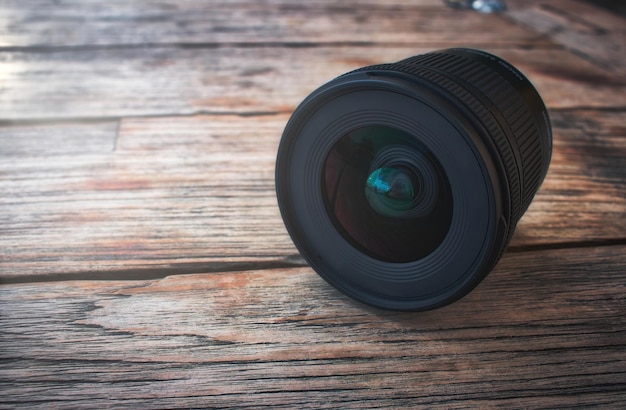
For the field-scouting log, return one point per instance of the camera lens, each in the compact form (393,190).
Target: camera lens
(401,184)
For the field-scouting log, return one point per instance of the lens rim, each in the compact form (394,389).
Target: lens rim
(358,100)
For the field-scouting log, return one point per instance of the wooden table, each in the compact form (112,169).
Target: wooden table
(142,255)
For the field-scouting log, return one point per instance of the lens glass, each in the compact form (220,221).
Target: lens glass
(387,194)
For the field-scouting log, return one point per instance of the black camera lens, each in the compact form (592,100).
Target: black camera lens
(401,184)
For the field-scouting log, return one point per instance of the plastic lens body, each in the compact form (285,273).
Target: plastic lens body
(401,184)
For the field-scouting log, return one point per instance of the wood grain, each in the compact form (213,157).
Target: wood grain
(57,138)
(579,26)
(143,261)
(168,81)
(544,329)
(198,193)
(39,24)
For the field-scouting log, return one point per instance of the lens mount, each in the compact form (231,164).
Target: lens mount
(395,189)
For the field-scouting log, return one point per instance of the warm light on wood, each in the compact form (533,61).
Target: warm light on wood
(143,259)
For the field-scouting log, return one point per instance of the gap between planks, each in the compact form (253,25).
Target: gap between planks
(294,261)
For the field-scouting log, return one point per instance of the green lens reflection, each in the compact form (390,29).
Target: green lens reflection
(390,191)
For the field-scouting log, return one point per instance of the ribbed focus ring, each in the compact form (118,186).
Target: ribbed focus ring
(454,90)
(488,80)
(500,108)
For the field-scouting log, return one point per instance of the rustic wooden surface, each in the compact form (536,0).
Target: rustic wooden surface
(143,261)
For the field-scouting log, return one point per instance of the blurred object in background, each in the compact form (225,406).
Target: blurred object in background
(495,6)
(483,6)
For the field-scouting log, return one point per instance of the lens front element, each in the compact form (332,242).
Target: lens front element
(391,191)
(387,194)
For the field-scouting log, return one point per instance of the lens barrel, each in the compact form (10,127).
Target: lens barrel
(401,184)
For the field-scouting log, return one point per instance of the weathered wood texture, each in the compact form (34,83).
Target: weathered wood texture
(166,81)
(545,329)
(236,74)
(180,193)
(123,23)
(143,261)
(581,27)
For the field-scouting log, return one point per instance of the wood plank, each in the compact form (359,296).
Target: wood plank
(168,81)
(584,195)
(137,143)
(58,138)
(545,329)
(197,193)
(588,30)
(43,23)
(152,209)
